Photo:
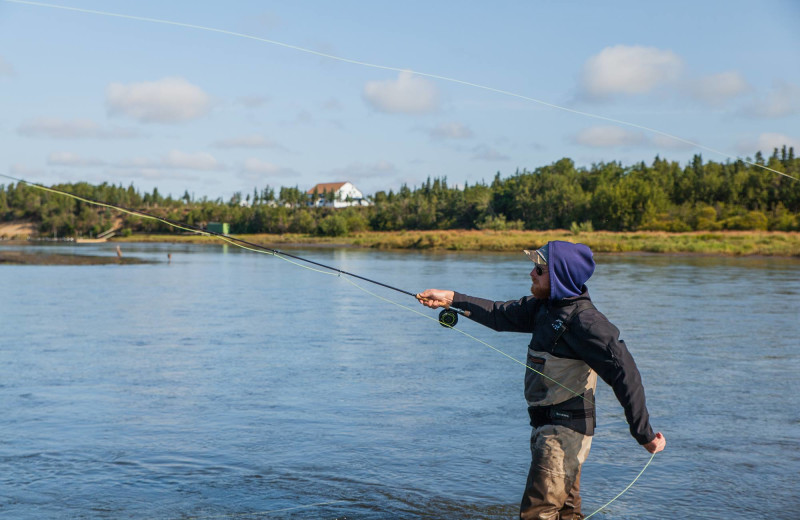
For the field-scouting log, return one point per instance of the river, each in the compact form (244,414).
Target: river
(229,384)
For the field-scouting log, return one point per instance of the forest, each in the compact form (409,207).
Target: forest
(661,196)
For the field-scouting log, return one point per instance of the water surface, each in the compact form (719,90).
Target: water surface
(228,384)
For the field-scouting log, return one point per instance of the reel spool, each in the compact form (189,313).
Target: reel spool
(448,318)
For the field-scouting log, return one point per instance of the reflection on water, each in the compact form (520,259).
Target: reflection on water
(234,384)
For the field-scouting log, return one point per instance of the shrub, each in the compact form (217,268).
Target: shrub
(499,223)
(584,227)
(333,225)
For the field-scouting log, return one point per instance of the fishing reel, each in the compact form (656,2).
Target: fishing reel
(449,317)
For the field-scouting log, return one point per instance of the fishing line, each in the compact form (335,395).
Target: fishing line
(331,271)
(512,358)
(258,248)
(470,336)
(399,69)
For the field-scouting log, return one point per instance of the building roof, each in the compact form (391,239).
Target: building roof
(326,186)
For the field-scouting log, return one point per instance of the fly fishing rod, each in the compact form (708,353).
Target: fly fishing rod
(447,317)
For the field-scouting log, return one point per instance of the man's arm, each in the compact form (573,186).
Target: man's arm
(511,316)
(597,343)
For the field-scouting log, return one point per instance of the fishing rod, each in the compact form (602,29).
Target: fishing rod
(447,317)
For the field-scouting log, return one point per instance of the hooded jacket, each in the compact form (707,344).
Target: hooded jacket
(571,342)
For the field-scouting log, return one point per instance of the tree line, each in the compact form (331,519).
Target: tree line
(660,196)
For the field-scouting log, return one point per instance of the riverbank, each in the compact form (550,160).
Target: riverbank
(729,243)
(24,258)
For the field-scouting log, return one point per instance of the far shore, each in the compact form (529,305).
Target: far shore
(723,243)
(26,258)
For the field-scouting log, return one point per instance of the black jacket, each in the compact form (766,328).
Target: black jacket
(571,342)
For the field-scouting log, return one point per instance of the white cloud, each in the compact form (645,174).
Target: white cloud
(451,130)
(252,101)
(253,165)
(608,137)
(147,173)
(174,160)
(783,100)
(137,162)
(332,104)
(56,128)
(487,153)
(255,170)
(358,170)
(767,142)
(191,161)
(168,100)
(6,69)
(72,159)
(662,141)
(248,141)
(624,69)
(408,94)
(22,170)
(716,89)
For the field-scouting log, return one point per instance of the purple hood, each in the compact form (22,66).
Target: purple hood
(570,266)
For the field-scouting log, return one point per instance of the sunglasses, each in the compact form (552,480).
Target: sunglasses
(540,269)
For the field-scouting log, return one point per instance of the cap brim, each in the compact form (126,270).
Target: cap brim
(535,256)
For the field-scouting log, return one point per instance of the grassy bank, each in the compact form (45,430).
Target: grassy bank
(24,258)
(732,243)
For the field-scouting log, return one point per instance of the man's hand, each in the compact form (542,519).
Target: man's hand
(656,444)
(435,298)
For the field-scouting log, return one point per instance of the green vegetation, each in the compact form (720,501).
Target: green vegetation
(664,197)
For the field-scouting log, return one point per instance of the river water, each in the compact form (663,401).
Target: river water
(228,384)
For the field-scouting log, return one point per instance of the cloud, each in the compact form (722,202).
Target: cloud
(72,159)
(259,167)
(358,170)
(137,162)
(408,94)
(252,101)
(23,170)
(783,100)
(248,141)
(629,70)
(332,104)
(451,130)
(191,161)
(56,128)
(716,89)
(147,173)
(174,160)
(608,137)
(662,141)
(6,69)
(168,100)
(767,142)
(487,153)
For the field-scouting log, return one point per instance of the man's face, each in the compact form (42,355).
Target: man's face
(540,283)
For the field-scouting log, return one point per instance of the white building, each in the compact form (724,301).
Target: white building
(343,194)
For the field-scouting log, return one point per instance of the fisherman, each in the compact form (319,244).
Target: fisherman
(572,344)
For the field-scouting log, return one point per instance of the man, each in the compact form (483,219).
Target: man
(572,344)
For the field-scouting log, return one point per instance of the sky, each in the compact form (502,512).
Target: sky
(97,98)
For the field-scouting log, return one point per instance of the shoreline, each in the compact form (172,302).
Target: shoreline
(24,258)
(709,243)
(715,243)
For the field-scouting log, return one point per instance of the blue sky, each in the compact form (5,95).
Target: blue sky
(85,97)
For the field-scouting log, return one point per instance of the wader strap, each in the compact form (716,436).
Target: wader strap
(580,306)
